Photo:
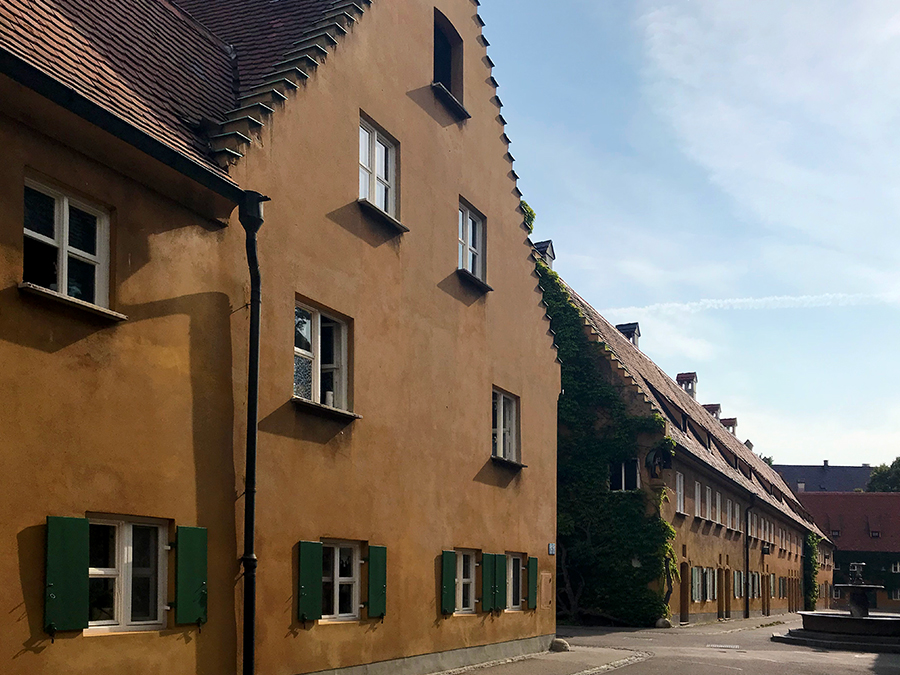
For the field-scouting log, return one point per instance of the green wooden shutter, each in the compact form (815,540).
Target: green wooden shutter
(499,581)
(448,582)
(487,582)
(309,593)
(66,594)
(532,583)
(377,581)
(190,575)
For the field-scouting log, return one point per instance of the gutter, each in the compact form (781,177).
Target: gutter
(65,96)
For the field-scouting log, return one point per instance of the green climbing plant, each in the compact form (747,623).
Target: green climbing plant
(529,215)
(811,571)
(615,555)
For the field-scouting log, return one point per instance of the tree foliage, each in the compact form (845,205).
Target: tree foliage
(885,478)
(613,546)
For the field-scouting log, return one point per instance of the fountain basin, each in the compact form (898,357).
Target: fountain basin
(844,624)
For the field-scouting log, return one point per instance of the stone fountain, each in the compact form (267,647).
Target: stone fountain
(857,631)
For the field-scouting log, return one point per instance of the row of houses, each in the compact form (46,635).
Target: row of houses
(281,388)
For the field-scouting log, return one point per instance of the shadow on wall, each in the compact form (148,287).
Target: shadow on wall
(424,98)
(498,476)
(351,218)
(288,421)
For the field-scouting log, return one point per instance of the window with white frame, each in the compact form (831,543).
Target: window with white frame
(377,168)
(465,582)
(737,517)
(679,492)
(698,502)
(515,580)
(66,248)
(625,476)
(754,528)
(718,517)
(340,580)
(709,504)
(835,592)
(895,567)
(505,422)
(127,574)
(895,594)
(728,520)
(320,358)
(471,241)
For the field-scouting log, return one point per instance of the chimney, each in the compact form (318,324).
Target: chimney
(730,423)
(688,382)
(825,463)
(748,444)
(630,330)
(713,409)
(545,250)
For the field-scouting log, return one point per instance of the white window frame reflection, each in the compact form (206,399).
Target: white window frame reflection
(336,580)
(377,171)
(464,581)
(123,574)
(338,367)
(505,426)
(471,241)
(60,241)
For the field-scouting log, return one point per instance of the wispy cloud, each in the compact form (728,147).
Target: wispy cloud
(769,302)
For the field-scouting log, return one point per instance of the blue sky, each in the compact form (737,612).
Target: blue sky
(728,174)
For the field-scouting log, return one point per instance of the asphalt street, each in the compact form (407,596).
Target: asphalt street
(741,646)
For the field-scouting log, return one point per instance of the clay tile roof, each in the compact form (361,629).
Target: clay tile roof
(660,389)
(855,514)
(145,61)
(261,31)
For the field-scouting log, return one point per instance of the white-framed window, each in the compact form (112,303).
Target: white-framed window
(709,504)
(698,502)
(728,520)
(718,508)
(320,358)
(696,584)
(895,594)
(679,492)
(66,248)
(465,582)
(772,585)
(895,567)
(875,534)
(340,580)
(711,584)
(377,168)
(625,476)
(835,592)
(754,527)
(471,241)
(515,580)
(127,574)
(835,533)
(505,423)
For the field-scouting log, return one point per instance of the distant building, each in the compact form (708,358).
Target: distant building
(824,477)
(865,529)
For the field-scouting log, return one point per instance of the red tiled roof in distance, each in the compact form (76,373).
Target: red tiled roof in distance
(145,61)
(855,514)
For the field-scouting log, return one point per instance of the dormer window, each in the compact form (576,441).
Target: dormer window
(448,66)
(875,534)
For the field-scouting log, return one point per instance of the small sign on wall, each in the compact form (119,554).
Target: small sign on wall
(551,549)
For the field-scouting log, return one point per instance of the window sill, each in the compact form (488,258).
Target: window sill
(381,215)
(472,280)
(325,411)
(450,101)
(508,463)
(338,621)
(42,292)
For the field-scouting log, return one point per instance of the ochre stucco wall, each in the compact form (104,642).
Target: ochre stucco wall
(414,474)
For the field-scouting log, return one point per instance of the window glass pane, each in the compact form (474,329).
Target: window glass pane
(467,566)
(462,225)
(303,370)
(326,346)
(381,196)
(144,573)
(40,213)
(473,263)
(102,546)
(382,157)
(345,599)
(467,596)
(494,415)
(102,599)
(442,58)
(82,231)
(509,420)
(615,477)
(327,562)
(302,329)
(345,563)
(81,283)
(39,264)
(631,469)
(474,239)
(327,598)
(364,147)
(516,582)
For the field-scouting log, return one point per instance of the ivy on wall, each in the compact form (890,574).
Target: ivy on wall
(811,571)
(615,557)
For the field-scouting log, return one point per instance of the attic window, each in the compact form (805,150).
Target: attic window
(448,66)
(875,534)
(835,533)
